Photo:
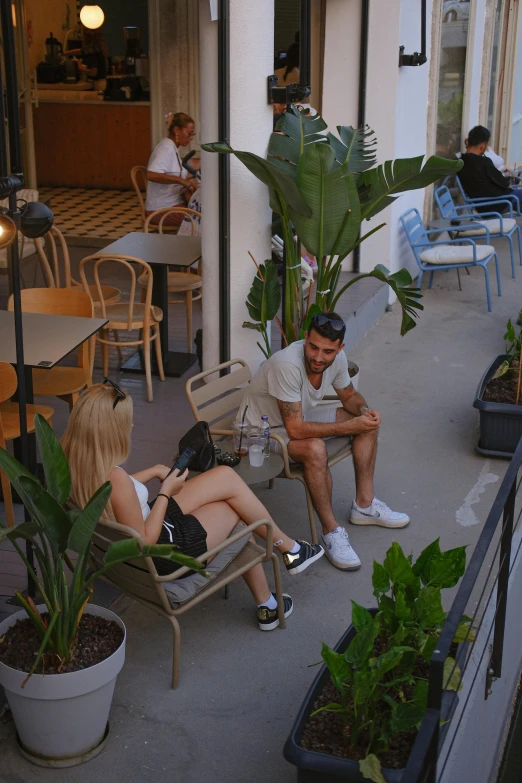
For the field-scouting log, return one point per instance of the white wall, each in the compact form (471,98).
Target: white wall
(251,61)
(340,104)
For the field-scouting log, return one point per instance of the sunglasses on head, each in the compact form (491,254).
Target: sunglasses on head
(120,394)
(321,320)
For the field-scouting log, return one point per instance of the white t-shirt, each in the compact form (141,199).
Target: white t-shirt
(283,377)
(165,159)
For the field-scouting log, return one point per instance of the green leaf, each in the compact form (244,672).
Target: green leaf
(26,530)
(406,715)
(331,193)
(428,608)
(402,608)
(377,187)
(361,617)
(332,706)
(446,570)
(389,660)
(428,647)
(264,298)
(295,130)
(452,677)
(13,469)
(398,566)
(357,147)
(421,565)
(502,369)
(362,644)
(420,694)
(464,633)
(278,182)
(364,682)
(56,469)
(85,523)
(380,579)
(45,510)
(371,769)
(339,669)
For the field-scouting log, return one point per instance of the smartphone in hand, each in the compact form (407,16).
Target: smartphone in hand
(183,461)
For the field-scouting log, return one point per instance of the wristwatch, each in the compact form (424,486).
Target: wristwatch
(363,410)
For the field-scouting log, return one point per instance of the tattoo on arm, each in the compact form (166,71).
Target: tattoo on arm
(290,411)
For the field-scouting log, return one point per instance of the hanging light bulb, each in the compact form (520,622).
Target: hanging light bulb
(92,16)
(7,230)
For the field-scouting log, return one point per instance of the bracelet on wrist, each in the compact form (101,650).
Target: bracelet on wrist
(163,495)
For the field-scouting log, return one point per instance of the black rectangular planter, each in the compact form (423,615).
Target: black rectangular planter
(314,767)
(500,423)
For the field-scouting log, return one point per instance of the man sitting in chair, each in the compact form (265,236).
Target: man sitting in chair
(288,388)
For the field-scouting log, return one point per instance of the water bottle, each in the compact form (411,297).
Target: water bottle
(265,431)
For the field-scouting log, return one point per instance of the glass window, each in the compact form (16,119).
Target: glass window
(495,57)
(454,42)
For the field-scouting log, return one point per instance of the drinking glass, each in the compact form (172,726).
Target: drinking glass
(256,451)
(240,432)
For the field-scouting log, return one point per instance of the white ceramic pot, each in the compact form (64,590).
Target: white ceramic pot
(62,719)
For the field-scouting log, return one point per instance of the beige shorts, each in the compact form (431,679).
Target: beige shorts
(324,414)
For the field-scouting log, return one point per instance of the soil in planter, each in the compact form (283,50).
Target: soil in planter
(326,733)
(503,389)
(97,639)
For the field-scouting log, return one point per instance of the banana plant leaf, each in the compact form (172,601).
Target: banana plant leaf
(295,130)
(56,469)
(46,512)
(283,191)
(357,146)
(264,298)
(85,523)
(333,226)
(377,186)
(400,282)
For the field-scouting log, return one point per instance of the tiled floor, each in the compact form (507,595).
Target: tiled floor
(103,214)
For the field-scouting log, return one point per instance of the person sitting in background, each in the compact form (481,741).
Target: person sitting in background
(479,177)
(93,55)
(169,184)
(206,510)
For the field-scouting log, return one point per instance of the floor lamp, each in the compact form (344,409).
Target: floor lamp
(32,219)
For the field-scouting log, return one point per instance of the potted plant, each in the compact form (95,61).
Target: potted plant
(499,398)
(360,717)
(59,659)
(322,187)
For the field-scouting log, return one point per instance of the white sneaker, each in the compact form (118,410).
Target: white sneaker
(338,550)
(378,514)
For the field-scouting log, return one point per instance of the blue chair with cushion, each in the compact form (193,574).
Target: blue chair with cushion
(485,201)
(496,224)
(432,256)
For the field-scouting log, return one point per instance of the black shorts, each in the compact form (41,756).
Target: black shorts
(183,530)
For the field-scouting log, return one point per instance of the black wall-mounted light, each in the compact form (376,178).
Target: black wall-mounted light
(417,58)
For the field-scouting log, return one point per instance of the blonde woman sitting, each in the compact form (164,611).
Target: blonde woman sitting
(206,508)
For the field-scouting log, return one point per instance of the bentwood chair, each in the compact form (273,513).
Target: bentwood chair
(218,401)
(172,595)
(63,382)
(10,425)
(433,256)
(187,284)
(499,226)
(130,316)
(139,183)
(57,270)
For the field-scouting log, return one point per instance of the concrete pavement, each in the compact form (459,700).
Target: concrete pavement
(240,689)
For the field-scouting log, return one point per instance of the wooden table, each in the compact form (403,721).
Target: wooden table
(160,251)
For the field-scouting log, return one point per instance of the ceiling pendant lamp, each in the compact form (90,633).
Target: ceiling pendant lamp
(91,16)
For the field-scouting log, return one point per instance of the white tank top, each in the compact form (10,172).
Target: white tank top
(142,493)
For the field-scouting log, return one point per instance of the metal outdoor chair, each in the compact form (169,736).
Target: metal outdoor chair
(170,595)
(433,256)
(63,382)
(10,425)
(453,179)
(217,402)
(494,222)
(127,316)
(58,268)
(188,282)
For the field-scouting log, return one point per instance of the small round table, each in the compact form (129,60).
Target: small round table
(270,469)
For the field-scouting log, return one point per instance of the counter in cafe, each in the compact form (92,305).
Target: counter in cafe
(82,141)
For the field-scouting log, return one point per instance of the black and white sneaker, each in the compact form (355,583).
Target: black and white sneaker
(268,619)
(308,553)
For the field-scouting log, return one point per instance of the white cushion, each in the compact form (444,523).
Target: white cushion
(493,225)
(455,254)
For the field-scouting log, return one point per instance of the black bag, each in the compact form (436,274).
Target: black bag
(199,439)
